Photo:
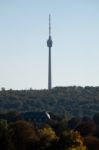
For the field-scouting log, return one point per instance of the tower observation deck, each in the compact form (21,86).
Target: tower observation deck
(49,44)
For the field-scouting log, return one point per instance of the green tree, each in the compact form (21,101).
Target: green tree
(5,140)
(23,135)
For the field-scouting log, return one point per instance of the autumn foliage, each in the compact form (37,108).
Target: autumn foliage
(74,134)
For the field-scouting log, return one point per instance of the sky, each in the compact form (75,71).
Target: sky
(23,48)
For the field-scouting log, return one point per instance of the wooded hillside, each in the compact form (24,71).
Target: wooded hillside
(76,101)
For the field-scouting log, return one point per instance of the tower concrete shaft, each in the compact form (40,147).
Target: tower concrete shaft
(49,71)
(49,44)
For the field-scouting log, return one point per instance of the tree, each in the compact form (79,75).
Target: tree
(86,128)
(74,122)
(23,135)
(47,137)
(96,118)
(5,140)
(71,141)
(3,89)
(92,142)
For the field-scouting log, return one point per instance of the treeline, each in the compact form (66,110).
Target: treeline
(73,100)
(59,134)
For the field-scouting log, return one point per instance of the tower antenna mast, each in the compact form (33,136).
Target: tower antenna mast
(49,25)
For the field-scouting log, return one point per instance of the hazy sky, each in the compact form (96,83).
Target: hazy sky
(23,49)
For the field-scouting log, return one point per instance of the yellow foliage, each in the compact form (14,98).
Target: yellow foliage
(78,140)
(47,134)
(78,148)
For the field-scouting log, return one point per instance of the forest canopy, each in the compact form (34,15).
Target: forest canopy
(73,100)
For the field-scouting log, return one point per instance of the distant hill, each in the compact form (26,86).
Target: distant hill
(73,100)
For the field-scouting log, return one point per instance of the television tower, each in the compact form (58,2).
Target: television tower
(49,44)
